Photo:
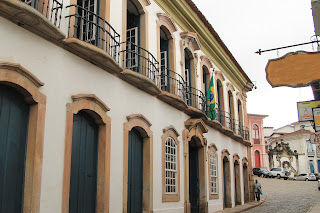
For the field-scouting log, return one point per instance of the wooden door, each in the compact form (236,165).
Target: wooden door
(14,118)
(225,183)
(194,178)
(135,172)
(257,159)
(83,178)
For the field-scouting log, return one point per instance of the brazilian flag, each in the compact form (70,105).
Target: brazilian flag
(210,96)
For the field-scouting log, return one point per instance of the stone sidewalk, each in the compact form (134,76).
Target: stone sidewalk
(315,208)
(244,207)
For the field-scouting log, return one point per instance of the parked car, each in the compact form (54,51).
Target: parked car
(265,173)
(317,175)
(261,172)
(279,173)
(305,177)
(256,171)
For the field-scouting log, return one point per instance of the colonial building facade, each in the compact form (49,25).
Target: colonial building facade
(103,109)
(258,149)
(289,147)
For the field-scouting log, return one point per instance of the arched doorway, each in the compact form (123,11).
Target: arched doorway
(14,118)
(226,179)
(237,182)
(137,165)
(245,181)
(84,164)
(195,166)
(135,171)
(257,159)
(194,196)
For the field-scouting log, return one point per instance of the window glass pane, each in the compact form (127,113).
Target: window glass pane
(171,166)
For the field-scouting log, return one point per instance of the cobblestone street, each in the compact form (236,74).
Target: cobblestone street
(283,196)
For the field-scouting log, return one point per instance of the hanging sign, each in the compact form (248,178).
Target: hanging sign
(305,110)
(316,118)
(315,138)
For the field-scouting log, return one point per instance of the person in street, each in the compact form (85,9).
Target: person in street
(257,190)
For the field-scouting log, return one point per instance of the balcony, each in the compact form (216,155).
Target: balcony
(141,67)
(42,17)
(92,36)
(230,126)
(173,89)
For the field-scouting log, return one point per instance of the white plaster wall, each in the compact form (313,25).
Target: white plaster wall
(65,74)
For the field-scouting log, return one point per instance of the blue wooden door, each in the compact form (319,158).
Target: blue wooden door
(83,178)
(135,172)
(14,117)
(224,183)
(318,166)
(194,177)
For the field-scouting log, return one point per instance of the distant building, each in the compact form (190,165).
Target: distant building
(289,147)
(258,149)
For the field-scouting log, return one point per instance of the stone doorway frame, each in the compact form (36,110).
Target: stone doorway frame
(237,192)
(194,128)
(225,155)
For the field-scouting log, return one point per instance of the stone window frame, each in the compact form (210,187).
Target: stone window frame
(212,149)
(141,5)
(104,12)
(91,104)
(28,85)
(219,77)
(143,126)
(256,131)
(166,21)
(190,43)
(170,132)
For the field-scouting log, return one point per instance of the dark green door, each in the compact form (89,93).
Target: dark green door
(83,178)
(224,183)
(235,183)
(14,117)
(193,177)
(135,172)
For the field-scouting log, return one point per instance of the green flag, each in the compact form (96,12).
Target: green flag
(210,96)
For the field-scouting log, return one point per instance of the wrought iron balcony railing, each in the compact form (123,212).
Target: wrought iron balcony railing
(172,82)
(51,9)
(196,98)
(91,28)
(226,120)
(140,60)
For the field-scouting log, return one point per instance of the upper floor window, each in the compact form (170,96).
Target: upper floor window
(205,80)
(165,58)
(171,166)
(220,95)
(240,113)
(255,134)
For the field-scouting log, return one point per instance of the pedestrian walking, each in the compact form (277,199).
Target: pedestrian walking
(257,190)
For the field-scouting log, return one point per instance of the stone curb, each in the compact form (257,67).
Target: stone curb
(243,208)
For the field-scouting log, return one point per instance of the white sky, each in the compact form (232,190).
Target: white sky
(248,25)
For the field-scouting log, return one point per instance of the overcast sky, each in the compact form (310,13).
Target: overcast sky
(248,25)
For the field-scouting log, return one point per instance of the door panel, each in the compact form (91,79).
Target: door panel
(135,172)
(83,179)
(14,118)
(224,184)
(194,179)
